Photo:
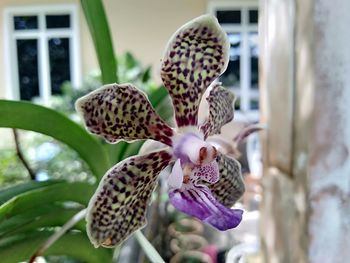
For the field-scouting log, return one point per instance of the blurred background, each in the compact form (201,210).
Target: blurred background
(289,69)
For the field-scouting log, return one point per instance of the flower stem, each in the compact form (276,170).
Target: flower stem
(75,219)
(147,247)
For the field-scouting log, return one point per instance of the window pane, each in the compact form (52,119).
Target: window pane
(58,21)
(25,22)
(229,16)
(59,63)
(254,104)
(27,58)
(254,60)
(231,77)
(253,16)
(238,103)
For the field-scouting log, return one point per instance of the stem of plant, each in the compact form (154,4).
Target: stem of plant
(75,219)
(147,247)
(21,156)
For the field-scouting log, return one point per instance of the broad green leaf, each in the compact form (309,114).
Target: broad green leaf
(76,245)
(116,151)
(60,192)
(131,149)
(28,116)
(11,191)
(97,21)
(157,96)
(39,217)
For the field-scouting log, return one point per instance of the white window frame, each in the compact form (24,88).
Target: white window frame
(42,35)
(244,91)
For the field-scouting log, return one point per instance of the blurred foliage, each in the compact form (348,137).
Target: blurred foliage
(11,170)
(130,70)
(52,159)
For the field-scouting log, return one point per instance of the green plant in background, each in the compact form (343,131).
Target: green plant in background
(130,70)
(57,161)
(32,211)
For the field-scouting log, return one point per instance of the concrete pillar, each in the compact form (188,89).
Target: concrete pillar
(305,84)
(329,223)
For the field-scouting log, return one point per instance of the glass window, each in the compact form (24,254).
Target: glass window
(253,16)
(254,60)
(238,103)
(25,22)
(231,77)
(57,21)
(27,58)
(241,75)
(42,59)
(59,63)
(229,16)
(254,104)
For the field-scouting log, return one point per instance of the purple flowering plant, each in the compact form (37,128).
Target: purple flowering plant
(203,182)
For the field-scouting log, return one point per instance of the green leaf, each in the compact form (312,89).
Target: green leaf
(76,192)
(116,151)
(39,217)
(11,191)
(97,21)
(76,245)
(157,96)
(131,149)
(130,61)
(28,116)
(146,76)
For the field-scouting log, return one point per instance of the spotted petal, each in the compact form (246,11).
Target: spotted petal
(221,103)
(230,186)
(196,55)
(118,207)
(121,111)
(200,203)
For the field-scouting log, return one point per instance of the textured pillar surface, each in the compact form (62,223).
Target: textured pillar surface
(305,94)
(329,224)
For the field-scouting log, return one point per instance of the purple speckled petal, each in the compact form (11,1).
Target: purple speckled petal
(221,103)
(196,54)
(198,202)
(205,173)
(121,111)
(119,204)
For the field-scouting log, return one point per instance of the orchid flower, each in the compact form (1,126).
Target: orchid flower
(203,182)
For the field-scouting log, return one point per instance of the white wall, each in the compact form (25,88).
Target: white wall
(142,27)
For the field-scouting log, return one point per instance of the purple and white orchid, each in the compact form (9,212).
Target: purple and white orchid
(203,182)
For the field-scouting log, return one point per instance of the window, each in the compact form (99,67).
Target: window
(240,21)
(42,50)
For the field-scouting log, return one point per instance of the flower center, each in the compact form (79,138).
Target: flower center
(191,148)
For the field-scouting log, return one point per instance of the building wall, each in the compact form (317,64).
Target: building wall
(142,27)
